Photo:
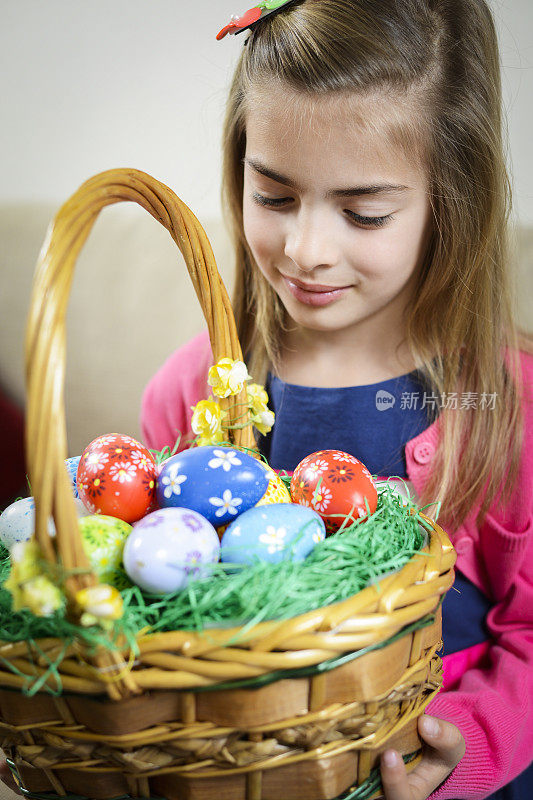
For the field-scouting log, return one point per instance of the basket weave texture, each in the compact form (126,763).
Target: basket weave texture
(290,709)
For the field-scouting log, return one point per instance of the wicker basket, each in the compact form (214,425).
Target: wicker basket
(296,709)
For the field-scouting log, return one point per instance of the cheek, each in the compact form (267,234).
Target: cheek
(261,232)
(402,250)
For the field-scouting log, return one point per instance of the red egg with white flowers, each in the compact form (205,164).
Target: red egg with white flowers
(117,477)
(335,484)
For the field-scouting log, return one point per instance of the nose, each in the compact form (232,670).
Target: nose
(310,242)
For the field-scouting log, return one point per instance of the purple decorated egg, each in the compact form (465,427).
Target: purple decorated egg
(168,548)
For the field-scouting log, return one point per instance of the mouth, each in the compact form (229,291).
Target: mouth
(313,287)
(314,294)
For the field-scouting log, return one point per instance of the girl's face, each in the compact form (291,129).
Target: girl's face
(337,218)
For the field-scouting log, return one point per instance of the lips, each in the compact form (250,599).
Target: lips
(313,287)
(314,294)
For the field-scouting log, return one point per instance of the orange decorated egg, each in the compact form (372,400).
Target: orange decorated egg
(335,484)
(117,477)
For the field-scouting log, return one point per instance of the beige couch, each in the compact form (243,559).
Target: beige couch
(132,304)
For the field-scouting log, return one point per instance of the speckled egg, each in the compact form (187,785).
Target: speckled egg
(272,533)
(335,484)
(17,521)
(217,482)
(276,491)
(168,548)
(103,540)
(72,469)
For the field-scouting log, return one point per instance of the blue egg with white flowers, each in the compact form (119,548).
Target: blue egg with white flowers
(272,533)
(218,482)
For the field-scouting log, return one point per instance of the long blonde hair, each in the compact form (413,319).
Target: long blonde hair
(460,326)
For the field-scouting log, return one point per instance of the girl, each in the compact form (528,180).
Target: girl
(366,188)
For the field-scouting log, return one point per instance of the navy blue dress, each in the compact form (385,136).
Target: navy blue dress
(373,423)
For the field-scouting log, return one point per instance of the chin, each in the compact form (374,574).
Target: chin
(322,319)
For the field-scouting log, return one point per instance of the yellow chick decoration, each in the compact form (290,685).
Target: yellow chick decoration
(27,584)
(101,605)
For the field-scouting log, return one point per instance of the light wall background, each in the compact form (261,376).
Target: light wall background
(92,84)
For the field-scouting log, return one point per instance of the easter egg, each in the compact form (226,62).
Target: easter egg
(168,548)
(217,482)
(335,484)
(72,469)
(103,540)
(276,491)
(117,477)
(272,533)
(17,521)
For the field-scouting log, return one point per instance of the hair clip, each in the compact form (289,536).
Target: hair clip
(253,15)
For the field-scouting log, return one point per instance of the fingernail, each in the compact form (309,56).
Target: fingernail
(391,758)
(430,726)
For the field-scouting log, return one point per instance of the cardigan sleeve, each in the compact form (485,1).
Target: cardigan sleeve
(167,399)
(492,704)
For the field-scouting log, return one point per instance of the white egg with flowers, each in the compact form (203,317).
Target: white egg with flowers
(168,548)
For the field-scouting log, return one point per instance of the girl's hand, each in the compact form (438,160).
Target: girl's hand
(443,750)
(7,777)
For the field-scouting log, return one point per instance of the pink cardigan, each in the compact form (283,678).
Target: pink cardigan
(489,689)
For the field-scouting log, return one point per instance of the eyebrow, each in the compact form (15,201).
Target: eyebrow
(354,191)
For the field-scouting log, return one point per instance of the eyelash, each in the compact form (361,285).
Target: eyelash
(367,222)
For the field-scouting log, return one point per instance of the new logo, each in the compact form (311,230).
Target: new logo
(384,400)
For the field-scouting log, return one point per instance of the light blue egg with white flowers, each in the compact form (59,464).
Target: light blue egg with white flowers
(17,521)
(218,482)
(272,533)
(168,548)
(72,469)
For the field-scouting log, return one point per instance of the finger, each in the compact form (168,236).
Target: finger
(394,776)
(444,748)
(445,740)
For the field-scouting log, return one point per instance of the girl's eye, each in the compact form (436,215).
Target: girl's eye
(368,222)
(359,219)
(269,201)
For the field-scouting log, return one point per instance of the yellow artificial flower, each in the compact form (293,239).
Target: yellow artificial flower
(41,596)
(264,421)
(28,586)
(101,605)
(257,398)
(25,561)
(227,377)
(262,417)
(208,441)
(207,421)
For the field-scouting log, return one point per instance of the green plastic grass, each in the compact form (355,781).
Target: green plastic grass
(232,595)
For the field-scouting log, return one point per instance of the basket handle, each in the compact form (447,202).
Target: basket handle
(46,441)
